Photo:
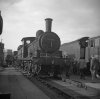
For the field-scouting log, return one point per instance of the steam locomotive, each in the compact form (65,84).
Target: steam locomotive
(42,53)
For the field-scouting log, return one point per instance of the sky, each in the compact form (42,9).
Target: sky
(72,19)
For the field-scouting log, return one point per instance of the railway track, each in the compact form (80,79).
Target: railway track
(55,91)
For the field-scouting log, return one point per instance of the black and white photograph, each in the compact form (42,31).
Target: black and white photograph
(49,49)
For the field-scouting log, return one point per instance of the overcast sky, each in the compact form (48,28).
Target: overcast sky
(72,19)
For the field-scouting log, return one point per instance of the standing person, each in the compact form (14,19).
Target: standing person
(63,72)
(94,67)
(82,65)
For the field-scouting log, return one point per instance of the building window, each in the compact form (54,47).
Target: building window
(28,41)
(92,43)
(96,42)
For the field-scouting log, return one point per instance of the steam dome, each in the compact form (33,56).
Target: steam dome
(39,33)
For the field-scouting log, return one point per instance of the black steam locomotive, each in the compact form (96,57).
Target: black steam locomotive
(43,55)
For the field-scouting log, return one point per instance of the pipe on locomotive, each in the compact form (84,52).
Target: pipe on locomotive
(48,24)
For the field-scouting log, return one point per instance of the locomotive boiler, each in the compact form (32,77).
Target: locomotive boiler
(49,42)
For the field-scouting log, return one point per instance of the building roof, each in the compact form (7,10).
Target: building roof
(83,38)
(95,37)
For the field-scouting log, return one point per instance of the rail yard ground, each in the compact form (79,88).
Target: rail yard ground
(14,83)
(18,86)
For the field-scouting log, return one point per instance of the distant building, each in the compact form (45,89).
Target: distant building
(1,53)
(73,48)
(94,47)
(7,52)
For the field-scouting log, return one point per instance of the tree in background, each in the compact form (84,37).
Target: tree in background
(9,59)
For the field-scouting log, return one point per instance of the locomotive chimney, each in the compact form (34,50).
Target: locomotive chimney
(48,24)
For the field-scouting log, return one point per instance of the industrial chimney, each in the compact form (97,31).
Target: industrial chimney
(48,24)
